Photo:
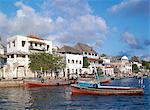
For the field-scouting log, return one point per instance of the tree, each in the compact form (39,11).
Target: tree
(146,64)
(99,72)
(135,68)
(85,62)
(103,55)
(46,62)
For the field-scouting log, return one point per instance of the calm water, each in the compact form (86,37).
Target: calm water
(60,98)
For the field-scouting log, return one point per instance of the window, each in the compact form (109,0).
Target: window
(85,53)
(12,56)
(47,47)
(80,71)
(35,44)
(95,54)
(68,71)
(13,43)
(76,71)
(80,62)
(9,44)
(76,61)
(23,43)
(72,61)
(31,43)
(68,61)
(40,45)
(92,54)
(89,53)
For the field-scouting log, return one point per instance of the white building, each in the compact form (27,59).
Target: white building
(123,65)
(73,60)
(18,50)
(90,54)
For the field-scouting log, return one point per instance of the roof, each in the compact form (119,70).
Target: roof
(84,48)
(135,59)
(35,37)
(93,59)
(68,49)
(124,58)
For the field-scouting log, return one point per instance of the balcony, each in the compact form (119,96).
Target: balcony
(38,48)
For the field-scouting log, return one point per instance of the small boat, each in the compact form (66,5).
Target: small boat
(106,90)
(38,82)
(83,87)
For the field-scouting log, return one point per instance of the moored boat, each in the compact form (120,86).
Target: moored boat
(106,90)
(83,87)
(38,82)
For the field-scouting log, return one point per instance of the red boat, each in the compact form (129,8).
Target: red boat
(36,82)
(106,90)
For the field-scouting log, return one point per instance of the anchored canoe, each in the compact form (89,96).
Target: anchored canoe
(106,90)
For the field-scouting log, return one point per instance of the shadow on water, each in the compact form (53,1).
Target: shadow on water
(60,98)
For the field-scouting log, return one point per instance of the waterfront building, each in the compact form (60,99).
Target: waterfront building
(3,60)
(122,65)
(91,55)
(106,67)
(18,50)
(136,60)
(73,60)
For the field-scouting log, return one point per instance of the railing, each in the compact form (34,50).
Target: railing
(37,48)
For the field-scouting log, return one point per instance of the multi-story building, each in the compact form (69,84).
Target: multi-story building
(122,65)
(90,54)
(73,60)
(18,50)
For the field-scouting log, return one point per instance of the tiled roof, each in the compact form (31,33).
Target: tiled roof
(68,49)
(93,59)
(84,48)
(35,37)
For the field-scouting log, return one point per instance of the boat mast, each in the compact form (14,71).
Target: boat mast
(98,80)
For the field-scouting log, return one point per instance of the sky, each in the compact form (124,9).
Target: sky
(113,27)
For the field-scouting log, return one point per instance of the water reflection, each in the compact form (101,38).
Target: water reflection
(56,98)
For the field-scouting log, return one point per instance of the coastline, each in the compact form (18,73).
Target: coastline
(4,83)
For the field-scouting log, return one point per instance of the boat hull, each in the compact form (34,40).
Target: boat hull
(40,84)
(106,90)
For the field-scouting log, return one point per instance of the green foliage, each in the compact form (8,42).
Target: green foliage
(146,64)
(99,72)
(135,68)
(45,61)
(103,55)
(85,62)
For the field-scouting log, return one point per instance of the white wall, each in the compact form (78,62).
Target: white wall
(18,50)
(77,65)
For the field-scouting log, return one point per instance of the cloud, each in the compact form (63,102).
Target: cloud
(26,21)
(68,26)
(87,29)
(131,40)
(65,8)
(132,7)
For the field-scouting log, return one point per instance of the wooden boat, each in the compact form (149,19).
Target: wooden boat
(38,82)
(106,90)
(83,87)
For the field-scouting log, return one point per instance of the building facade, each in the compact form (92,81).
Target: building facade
(73,60)
(91,55)
(18,50)
(122,66)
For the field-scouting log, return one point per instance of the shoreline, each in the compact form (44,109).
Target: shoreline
(20,82)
